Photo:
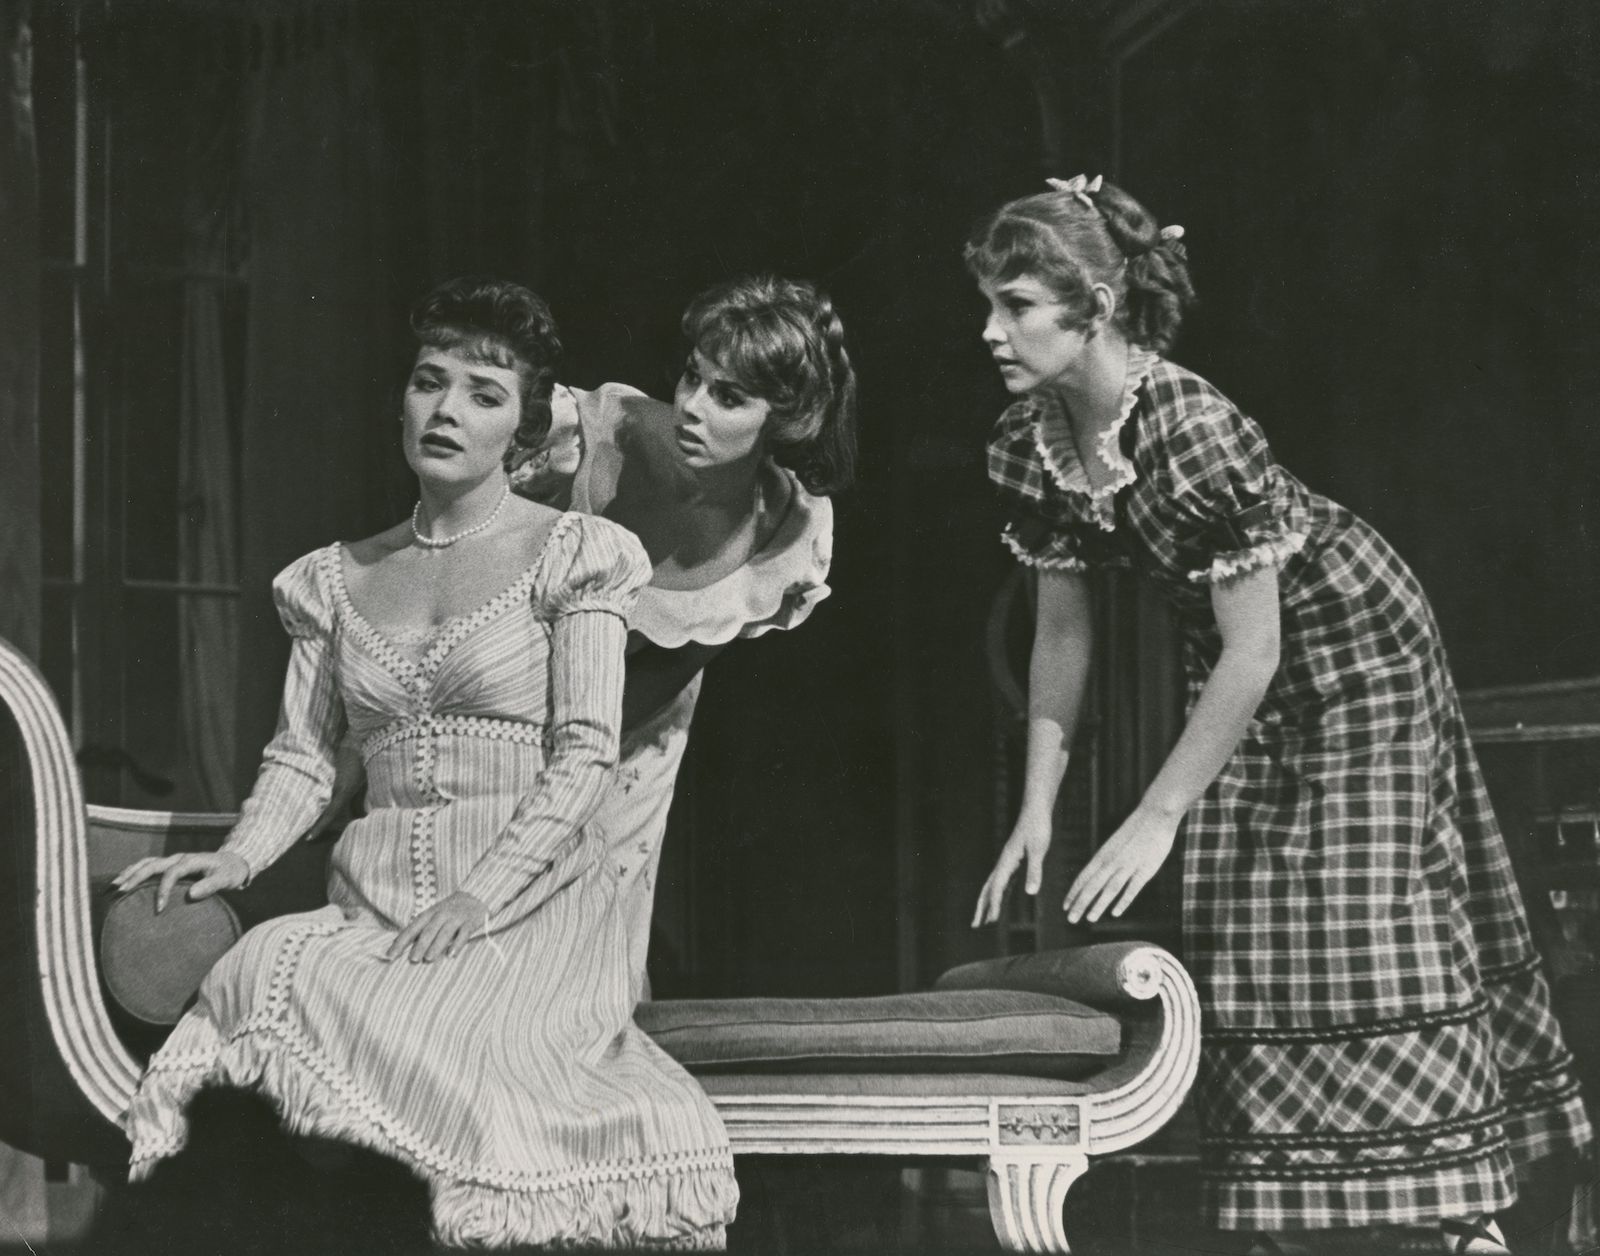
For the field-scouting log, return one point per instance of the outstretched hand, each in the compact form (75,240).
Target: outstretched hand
(442,930)
(216,870)
(1123,866)
(1028,842)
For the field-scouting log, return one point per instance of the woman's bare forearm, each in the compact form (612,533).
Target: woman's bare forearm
(1225,707)
(1058,673)
(1247,616)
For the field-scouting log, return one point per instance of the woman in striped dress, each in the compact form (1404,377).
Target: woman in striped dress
(1379,1046)
(727,490)
(463,1003)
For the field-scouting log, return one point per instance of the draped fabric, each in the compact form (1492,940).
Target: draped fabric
(319,425)
(22,1195)
(19,335)
(207,541)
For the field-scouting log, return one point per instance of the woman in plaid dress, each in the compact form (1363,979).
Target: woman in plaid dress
(1378,1045)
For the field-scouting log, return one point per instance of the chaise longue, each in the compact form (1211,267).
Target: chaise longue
(1033,1064)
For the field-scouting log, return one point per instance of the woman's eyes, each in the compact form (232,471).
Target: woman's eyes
(483,400)
(726,397)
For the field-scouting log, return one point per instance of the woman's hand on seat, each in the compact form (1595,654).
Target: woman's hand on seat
(1029,841)
(442,930)
(216,870)
(1124,865)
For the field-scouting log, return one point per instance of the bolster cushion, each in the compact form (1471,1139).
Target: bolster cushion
(153,962)
(1117,976)
(965,1031)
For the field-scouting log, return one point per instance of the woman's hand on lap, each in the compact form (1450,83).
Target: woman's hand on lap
(216,870)
(442,930)
(1123,866)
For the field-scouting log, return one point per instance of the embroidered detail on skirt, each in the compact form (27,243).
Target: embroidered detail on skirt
(1354,1129)
(1346,1033)
(1348,1127)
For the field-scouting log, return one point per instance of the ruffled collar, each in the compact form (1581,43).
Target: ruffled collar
(775,588)
(1052,435)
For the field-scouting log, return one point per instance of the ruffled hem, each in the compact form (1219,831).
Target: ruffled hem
(777,589)
(1042,562)
(1227,567)
(628,1215)
(1060,455)
(680,1201)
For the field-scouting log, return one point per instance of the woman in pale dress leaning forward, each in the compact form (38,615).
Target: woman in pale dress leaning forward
(727,489)
(463,1004)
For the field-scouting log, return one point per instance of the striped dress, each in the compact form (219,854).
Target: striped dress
(510,1078)
(1378,1043)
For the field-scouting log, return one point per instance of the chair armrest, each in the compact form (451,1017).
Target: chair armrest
(1155,999)
(1112,976)
(119,835)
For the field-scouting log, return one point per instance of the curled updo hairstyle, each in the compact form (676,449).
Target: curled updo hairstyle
(782,340)
(498,323)
(1070,246)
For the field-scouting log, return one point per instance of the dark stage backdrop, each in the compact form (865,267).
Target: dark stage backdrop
(1392,213)
(1390,210)
(19,337)
(620,157)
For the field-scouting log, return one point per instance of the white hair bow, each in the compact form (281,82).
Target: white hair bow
(1079,185)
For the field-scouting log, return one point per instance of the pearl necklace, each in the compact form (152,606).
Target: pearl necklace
(442,542)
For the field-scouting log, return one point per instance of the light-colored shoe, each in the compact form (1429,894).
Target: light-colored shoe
(1265,1244)
(1475,1236)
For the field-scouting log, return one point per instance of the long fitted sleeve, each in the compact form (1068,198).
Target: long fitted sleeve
(298,765)
(584,607)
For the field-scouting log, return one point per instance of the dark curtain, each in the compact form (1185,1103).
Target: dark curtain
(620,156)
(22,1198)
(208,538)
(595,151)
(19,335)
(315,431)
(1391,221)
(389,146)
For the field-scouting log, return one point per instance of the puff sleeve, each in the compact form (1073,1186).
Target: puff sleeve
(298,766)
(1034,541)
(1232,505)
(584,597)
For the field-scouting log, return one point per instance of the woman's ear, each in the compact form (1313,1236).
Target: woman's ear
(1105,304)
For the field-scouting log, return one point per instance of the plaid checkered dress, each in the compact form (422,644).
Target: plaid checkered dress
(1378,1042)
